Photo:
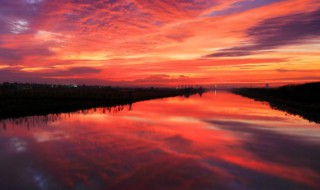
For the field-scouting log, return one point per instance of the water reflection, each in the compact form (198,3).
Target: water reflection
(217,141)
(36,121)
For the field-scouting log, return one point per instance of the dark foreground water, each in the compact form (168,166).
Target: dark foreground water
(217,141)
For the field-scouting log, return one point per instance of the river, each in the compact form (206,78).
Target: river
(215,141)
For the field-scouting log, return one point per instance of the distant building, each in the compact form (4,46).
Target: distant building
(267,85)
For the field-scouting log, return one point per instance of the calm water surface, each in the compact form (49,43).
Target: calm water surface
(217,141)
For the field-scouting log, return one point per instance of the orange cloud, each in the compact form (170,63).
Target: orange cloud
(133,41)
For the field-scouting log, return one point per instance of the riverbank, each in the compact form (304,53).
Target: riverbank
(19,100)
(303,99)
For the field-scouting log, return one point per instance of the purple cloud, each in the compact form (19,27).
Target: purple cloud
(74,71)
(16,17)
(241,6)
(15,75)
(275,32)
(12,56)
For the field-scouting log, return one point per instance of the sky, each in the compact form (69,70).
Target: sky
(160,42)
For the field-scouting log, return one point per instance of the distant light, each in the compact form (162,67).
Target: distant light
(72,85)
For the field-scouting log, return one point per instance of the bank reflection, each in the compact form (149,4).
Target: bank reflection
(217,141)
(42,120)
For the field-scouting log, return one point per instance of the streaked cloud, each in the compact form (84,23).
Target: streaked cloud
(276,32)
(203,40)
(244,5)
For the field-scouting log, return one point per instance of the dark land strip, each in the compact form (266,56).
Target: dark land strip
(302,99)
(19,100)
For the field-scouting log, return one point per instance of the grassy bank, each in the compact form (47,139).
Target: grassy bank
(18,100)
(303,100)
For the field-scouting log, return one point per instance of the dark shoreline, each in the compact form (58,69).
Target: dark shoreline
(302,100)
(20,100)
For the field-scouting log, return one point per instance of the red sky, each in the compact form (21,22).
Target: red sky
(163,43)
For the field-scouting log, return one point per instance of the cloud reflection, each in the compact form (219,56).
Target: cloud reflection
(231,143)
